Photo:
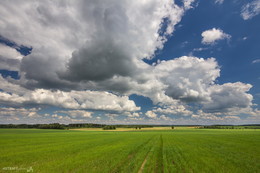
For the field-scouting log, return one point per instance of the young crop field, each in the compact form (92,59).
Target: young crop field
(178,150)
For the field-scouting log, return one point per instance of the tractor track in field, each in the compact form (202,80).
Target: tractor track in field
(130,156)
(159,165)
(144,162)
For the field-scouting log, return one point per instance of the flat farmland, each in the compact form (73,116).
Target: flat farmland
(164,150)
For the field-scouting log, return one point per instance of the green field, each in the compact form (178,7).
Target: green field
(178,150)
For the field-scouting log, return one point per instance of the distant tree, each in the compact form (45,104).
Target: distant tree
(51,126)
(172,127)
(109,127)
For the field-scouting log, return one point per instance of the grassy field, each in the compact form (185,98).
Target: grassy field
(164,150)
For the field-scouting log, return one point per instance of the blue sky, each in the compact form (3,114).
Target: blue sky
(124,62)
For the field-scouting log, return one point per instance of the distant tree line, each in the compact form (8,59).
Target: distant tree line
(255,126)
(86,125)
(37,126)
(71,126)
(19,125)
(109,127)
(52,126)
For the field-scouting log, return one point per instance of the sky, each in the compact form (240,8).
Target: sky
(130,62)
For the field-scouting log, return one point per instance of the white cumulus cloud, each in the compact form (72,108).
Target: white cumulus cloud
(77,113)
(212,35)
(173,110)
(188,3)
(229,96)
(188,78)
(151,114)
(250,10)
(10,58)
(99,100)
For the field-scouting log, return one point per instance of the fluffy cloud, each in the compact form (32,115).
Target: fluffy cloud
(111,116)
(188,4)
(250,10)
(10,58)
(10,114)
(77,113)
(212,117)
(97,100)
(151,114)
(188,78)
(229,96)
(73,100)
(133,115)
(173,110)
(117,32)
(10,87)
(165,118)
(212,35)
(57,116)
(9,52)
(191,79)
